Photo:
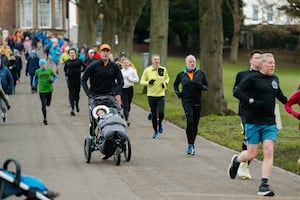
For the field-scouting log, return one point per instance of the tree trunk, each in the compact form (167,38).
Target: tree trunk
(236,31)
(109,22)
(88,13)
(120,17)
(159,25)
(211,51)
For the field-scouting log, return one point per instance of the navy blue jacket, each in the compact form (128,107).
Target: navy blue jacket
(6,79)
(32,64)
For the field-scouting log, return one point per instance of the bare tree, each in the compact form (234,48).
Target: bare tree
(237,13)
(159,26)
(88,13)
(120,18)
(211,51)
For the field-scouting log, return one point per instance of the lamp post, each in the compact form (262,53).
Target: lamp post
(116,44)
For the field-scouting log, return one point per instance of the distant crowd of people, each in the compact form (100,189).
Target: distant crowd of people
(24,47)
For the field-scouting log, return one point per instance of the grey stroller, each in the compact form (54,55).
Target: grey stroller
(110,136)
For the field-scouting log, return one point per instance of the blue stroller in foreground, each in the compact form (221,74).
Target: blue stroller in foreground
(13,183)
(109,132)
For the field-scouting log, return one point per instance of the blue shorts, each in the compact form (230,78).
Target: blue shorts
(258,133)
(55,62)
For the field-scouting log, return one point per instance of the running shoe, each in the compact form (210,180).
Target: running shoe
(4,115)
(45,122)
(233,167)
(190,149)
(243,171)
(160,128)
(154,135)
(193,150)
(264,190)
(149,116)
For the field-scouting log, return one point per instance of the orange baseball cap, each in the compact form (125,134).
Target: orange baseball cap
(104,46)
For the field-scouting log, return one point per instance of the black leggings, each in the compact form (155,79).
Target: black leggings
(74,90)
(126,96)
(157,107)
(192,114)
(46,101)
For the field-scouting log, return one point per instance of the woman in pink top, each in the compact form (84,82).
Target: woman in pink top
(294,99)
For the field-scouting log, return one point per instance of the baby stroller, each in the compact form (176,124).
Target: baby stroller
(110,136)
(13,183)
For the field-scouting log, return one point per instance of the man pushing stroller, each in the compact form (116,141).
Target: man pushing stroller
(105,78)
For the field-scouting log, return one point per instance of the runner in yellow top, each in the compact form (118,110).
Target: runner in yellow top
(156,78)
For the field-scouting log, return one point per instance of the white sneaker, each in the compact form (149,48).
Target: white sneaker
(243,171)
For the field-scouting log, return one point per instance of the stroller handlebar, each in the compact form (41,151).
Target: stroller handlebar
(109,100)
(18,169)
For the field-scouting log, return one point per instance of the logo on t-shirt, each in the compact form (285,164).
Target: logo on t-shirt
(274,85)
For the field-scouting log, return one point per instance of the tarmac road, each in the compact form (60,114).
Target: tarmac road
(159,168)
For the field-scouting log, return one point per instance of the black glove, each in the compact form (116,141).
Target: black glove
(179,94)
(51,81)
(298,117)
(151,82)
(8,107)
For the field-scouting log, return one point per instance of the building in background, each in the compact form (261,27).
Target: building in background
(266,12)
(45,15)
(264,23)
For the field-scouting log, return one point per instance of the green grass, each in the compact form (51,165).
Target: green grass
(226,130)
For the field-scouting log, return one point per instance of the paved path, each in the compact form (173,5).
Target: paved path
(159,169)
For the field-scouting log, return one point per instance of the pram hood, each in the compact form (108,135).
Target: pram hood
(107,100)
(94,112)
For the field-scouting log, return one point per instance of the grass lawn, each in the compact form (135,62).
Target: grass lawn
(226,130)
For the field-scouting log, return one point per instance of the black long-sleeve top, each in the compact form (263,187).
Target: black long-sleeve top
(264,90)
(73,68)
(238,79)
(103,79)
(191,89)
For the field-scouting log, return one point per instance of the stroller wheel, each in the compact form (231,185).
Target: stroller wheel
(127,149)
(88,149)
(117,156)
